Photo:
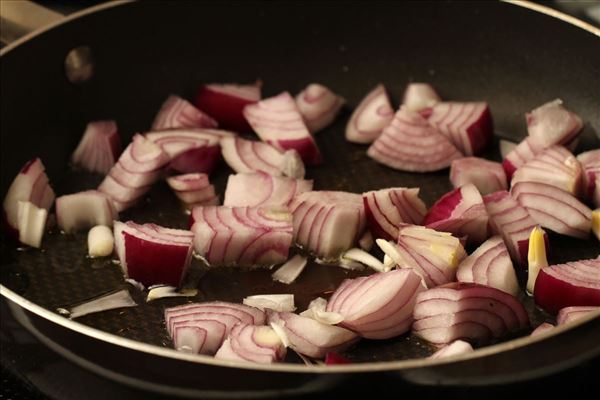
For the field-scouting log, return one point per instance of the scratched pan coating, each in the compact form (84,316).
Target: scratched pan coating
(135,72)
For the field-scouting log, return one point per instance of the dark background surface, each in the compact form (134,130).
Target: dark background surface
(32,371)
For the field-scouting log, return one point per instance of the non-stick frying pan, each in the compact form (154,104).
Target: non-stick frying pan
(511,55)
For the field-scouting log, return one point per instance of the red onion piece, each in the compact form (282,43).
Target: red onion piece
(313,338)
(252,343)
(333,358)
(453,349)
(161,292)
(551,123)
(262,189)
(410,143)
(31,223)
(378,306)
(193,189)
(433,255)
(327,223)
(554,208)
(387,209)
(544,327)
(460,212)
(568,314)
(420,96)
(523,152)
(245,156)
(374,113)
(98,148)
(84,210)
(468,125)
(566,285)
(152,254)
(30,185)
(487,176)
(138,167)
(278,121)
(590,161)
(226,102)
(513,222)
(554,166)
(290,271)
(490,265)
(319,106)
(180,113)
(242,236)
(467,311)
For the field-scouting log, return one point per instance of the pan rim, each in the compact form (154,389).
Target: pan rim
(289,368)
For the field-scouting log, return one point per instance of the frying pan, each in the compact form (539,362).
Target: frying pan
(515,56)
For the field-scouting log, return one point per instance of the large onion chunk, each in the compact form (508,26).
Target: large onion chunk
(30,185)
(487,176)
(565,285)
(468,125)
(374,113)
(378,306)
(252,343)
(180,113)
(152,254)
(278,121)
(84,210)
(98,148)
(513,222)
(569,314)
(420,96)
(312,338)
(262,189)
(490,265)
(32,223)
(552,123)
(242,236)
(467,311)
(460,212)
(327,223)
(246,156)
(387,209)
(319,106)
(433,255)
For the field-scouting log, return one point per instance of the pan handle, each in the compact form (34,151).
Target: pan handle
(18,18)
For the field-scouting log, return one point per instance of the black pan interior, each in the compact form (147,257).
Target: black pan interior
(511,57)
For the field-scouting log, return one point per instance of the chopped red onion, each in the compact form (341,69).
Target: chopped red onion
(387,209)
(590,161)
(317,310)
(490,265)
(554,166)
(410,143)
(468,125)
(554,208)
(487,176)
(328,223)
(119,299)
(193,189)
(242,236)
(31,223)
(311,337)
(152,254)
(245,156)
(523,152)
(84,210)
(364,258)
(513,222)
(378,306)
(433,255)
(262,189)
(460,212)
(453,349)
(420,96)
(274,302)
(552,123)
(319,106)
(290,270)
(467,311)
(252,343)
(374,113)
(226,102)
(569,314)
(30,185)
(566,285)
(544,327)
(98,148)
(180,113)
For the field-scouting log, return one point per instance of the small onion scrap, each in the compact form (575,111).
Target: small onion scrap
(111,301)
(506,146)
(374,113)
(84,210)
(542,328)
(319,106)
(262,189)
(193,189)
(569,314)
(523,152)
(180,113)
(487,176)
(32,223)
(252,343)
(453,349)
(420,96)
(274,302)
(98,148)
(590,162)
(552,123)
(290,270)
